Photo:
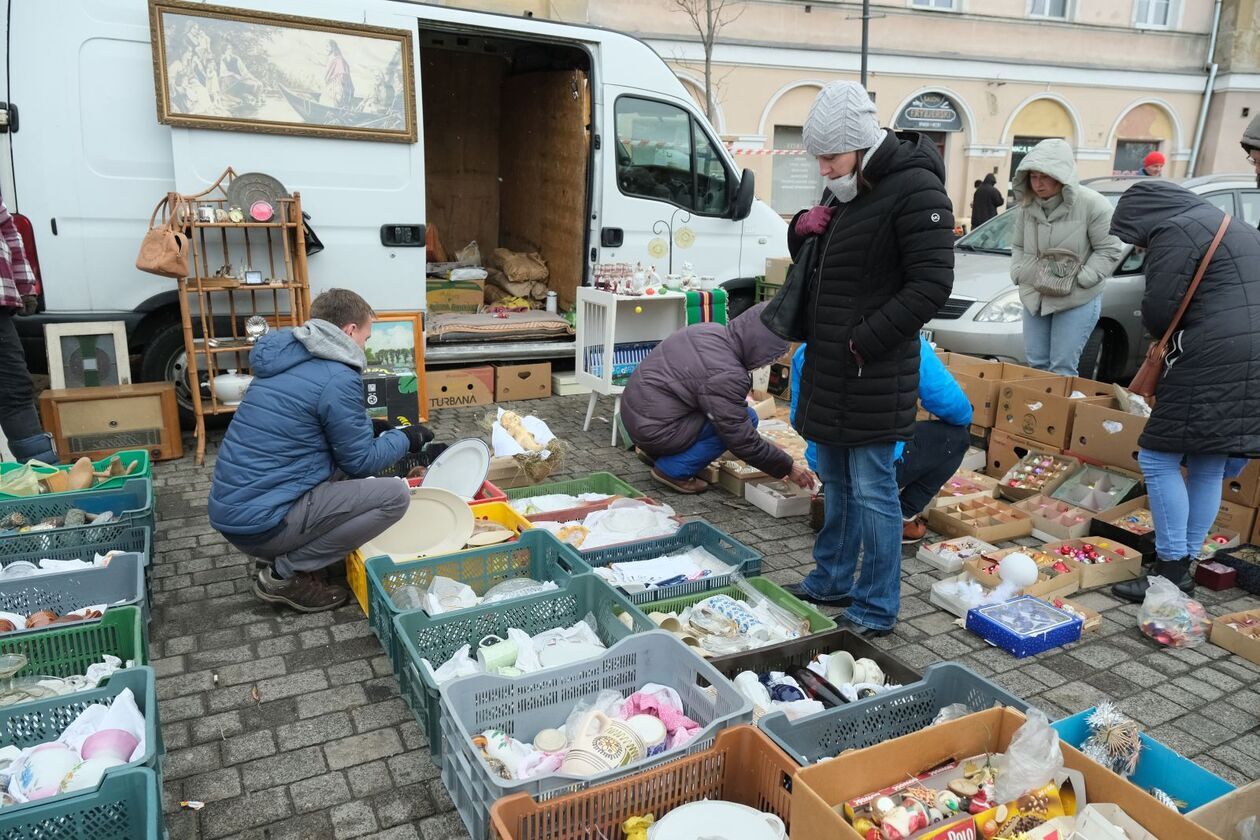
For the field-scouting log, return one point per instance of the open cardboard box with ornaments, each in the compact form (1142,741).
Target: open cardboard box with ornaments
(990,520)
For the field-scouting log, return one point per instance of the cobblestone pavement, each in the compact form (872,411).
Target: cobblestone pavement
(291,726)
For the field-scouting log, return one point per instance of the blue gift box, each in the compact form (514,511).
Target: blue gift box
(1157,767)
(1024,626)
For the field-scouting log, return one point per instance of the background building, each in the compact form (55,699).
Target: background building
(987,79)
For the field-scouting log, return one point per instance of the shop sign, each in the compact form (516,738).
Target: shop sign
(930,112)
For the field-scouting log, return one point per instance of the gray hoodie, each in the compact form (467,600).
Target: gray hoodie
(1078,219)
(325,340)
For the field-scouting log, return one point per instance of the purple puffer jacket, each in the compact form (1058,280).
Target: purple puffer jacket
(702,373)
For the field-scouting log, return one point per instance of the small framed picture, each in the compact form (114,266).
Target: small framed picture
(253,278)
(85,355)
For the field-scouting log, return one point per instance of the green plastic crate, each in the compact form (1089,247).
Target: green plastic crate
(600,482)
(69,649)
(763,291)
(127,457)
(438,638)
(537,555)
(818,622)
(126,806)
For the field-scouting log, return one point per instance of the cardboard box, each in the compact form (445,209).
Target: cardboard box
(392,397)
(986,519)
(965,486)
(777,269)
(819,788)
(950,555)
(1055,520)
(506,473)
(1108,524)
(442,295)
(734,477)
(1103,433)
(1015,373)
(1235,517)
(1245,641)
(1245,489)
(1098,488)
(522,382)
(999,625)
(976,459)
(979,368)
(1005,451)
(982,394)
(565,384)
(460,387)
(778,498)
(1221,816)
(1026,409)
(983,569)
(780,381)
(1091,620)
(1124,563)
(1022,481)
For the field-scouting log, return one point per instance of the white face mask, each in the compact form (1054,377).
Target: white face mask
(844,188)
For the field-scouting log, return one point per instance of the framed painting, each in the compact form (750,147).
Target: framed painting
(237,70)
(394,382)
(88,354)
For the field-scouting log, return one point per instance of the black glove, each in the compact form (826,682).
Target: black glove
(380,427)
(30,305)
(416,437)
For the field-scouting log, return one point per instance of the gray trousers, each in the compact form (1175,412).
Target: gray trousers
(329,522)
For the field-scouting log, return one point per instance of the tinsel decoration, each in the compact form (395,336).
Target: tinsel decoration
(1166,800)
(1114,740)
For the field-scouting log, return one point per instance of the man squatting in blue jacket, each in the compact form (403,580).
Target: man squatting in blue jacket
(938,447)
(292,484)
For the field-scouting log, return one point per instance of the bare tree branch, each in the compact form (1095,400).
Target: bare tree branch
(709,17)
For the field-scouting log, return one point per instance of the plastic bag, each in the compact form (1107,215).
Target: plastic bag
(1249,828)
(444,595)
(951,712)
(24,481)
(1170,617)
(470,254)
(1032,760)
(607,702)
(467,274)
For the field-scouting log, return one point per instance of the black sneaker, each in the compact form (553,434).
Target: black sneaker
(798,591)
(861,629)
(305,592)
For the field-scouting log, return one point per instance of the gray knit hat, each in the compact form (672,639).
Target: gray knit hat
(842,119)
(1251,137)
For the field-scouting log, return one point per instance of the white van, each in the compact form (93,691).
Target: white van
(501,102)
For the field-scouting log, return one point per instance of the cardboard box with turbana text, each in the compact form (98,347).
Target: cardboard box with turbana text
(460,387)
(522,382)
(1103,433)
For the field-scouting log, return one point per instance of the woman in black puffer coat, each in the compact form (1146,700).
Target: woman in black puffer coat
(1207,405)
(886,266)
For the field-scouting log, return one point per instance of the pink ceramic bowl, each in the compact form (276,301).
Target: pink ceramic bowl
(117,744)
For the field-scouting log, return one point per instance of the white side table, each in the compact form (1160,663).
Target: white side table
(608,328)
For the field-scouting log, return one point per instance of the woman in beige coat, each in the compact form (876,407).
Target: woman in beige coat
(1061,256)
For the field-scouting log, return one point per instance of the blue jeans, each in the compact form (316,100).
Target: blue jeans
(861,515)
(704,451)
(1054,342)
(1183,509)
(930,460)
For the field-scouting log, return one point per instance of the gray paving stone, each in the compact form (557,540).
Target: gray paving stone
(319,792)
(219,819)
(314,731)
(353,819)
(283,768)
(214,786)
(360,749)
(191,761)
(332,700)
(248,747)
(367,779)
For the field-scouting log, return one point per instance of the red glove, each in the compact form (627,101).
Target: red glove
(814,221)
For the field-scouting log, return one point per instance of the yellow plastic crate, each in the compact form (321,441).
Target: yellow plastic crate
(499,513)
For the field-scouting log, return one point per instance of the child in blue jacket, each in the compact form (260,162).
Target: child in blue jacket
(928,461)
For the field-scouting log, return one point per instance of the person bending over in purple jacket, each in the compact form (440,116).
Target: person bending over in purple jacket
(686,403)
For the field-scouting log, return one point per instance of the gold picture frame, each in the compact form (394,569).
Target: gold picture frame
(228,69)
(397,348)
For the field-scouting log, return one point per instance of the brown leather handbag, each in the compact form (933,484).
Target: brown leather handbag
(1152,370)
(164,249)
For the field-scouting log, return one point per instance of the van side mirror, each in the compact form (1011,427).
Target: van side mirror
(741,205)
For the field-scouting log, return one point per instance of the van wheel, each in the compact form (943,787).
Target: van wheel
(1090,365)
(165,360)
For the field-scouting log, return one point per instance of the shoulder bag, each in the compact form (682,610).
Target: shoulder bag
(1152,369)
(164,249)
(787,313)
(1056,268)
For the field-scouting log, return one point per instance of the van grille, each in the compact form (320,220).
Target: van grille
(954,308)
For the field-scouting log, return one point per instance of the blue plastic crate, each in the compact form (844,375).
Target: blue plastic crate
(1158,766)
(126,806)
(983,621)
(131,504)
(691,535)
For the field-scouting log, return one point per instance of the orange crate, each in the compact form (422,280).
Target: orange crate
(743,766)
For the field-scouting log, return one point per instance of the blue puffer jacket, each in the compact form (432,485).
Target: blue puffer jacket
(302,417)
(938,391)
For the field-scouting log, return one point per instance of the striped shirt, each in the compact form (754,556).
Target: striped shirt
(16,277)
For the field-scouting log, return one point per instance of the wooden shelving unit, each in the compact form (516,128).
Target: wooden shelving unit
(276,248)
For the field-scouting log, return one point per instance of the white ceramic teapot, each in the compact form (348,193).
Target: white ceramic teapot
(712,819)
(230,387)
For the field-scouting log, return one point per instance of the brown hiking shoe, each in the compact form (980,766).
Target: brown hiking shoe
(688,486)
(305,592)
(913,531)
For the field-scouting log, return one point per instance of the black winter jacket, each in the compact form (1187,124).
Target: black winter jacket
(1208,400)
(886,267)
(986,202)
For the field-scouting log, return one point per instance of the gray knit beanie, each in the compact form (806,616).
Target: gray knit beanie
(842,119)
(1251,137)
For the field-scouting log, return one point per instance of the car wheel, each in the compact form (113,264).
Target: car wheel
(1090,365)
(165,360)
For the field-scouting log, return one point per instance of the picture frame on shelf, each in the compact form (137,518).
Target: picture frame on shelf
(87,355)
(229,69)
(254,278)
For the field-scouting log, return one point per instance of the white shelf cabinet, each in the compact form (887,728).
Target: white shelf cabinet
(606,320)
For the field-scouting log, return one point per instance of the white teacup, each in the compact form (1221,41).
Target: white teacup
(611,745)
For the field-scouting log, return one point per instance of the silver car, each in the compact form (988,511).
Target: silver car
(984,317)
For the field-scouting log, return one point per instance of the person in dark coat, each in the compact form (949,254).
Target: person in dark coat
(886,265)
(687,402)
(986,202)
(301,426)
(1207,404)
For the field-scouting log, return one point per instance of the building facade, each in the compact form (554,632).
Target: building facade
(986,79)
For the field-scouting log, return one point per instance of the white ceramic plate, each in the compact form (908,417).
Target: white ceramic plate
(461,469)
(436,522)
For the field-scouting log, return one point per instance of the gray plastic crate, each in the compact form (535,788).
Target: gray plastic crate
(524,705)
(729,550)
(120,584)
(887,716)
(81,543)
(437,639)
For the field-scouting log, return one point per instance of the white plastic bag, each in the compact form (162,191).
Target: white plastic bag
(1170,617)
(1032,760)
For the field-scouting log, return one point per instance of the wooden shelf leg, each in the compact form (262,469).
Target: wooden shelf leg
(201,439)
(616,417)
(590,411)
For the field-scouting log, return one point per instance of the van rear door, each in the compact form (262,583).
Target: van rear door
(365,197)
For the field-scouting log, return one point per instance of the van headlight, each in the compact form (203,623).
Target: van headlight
(1003,309)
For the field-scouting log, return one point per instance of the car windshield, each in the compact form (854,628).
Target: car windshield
(994,236)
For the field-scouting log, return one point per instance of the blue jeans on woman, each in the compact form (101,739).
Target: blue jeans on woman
(861,515)
(1183,509)
(1054,342)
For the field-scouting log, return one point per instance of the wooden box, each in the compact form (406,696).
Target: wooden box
(97,422)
